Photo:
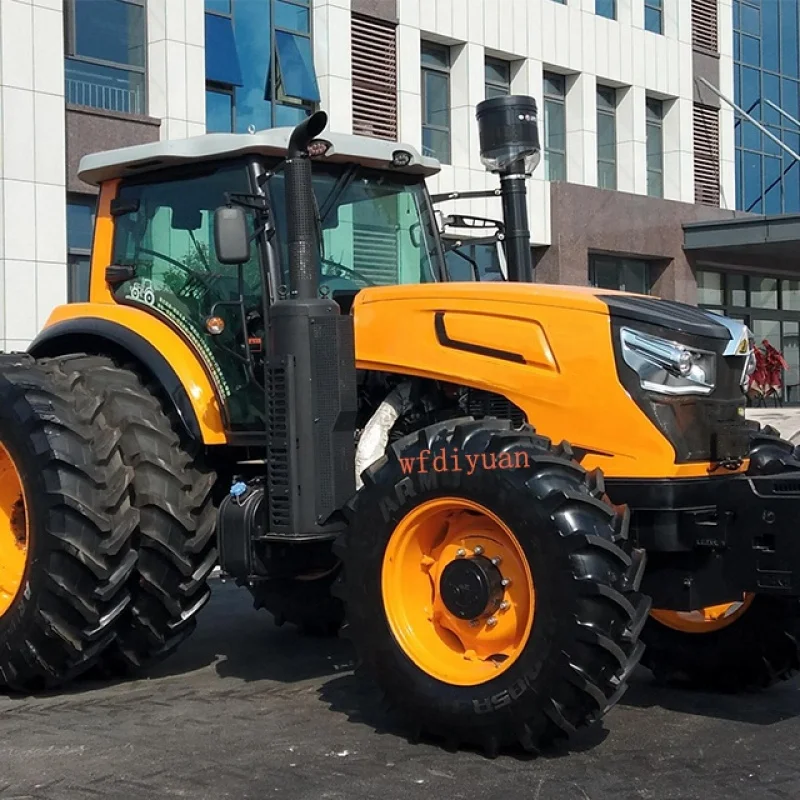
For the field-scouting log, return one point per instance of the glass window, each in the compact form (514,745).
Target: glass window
(379,230)
(620,274)
(222,60)
(219,111)
(292,17)
(170,241)
(763,292)
(498,78)
(653,16)
(606,138)
(606,8)
(105,55)
(709,288)
(737,286)
(81,212)
(295,78)
(436,101)
(790,295)
(555,127)
(218,6)
(655,147)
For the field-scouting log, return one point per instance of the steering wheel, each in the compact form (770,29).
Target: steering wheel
(348,271)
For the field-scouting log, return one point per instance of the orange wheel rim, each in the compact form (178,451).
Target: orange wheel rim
(443,560)
(704,620)
(13,531)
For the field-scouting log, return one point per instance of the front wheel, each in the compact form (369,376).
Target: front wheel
(494,600)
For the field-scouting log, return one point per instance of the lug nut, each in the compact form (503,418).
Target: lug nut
(478,550)
(505,582)
(473,623)
(504,606)
(461,552)
(496,561)
(491,622)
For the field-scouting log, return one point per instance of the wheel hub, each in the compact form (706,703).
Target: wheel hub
(471,587)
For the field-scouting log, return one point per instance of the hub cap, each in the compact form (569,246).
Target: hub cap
(457,591)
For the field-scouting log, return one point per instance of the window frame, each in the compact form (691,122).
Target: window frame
(560,100)
(600,88)
(504,87)
(654,125)
(446,71)
(214,87)
(70,44)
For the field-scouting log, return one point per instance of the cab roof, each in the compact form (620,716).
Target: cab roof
(98,167)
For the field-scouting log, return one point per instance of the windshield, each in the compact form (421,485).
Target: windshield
(377,228)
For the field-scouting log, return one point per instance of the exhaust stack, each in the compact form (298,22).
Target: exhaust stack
(300,210)
(509,141)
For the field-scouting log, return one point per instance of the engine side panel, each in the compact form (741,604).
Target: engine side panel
(549,350)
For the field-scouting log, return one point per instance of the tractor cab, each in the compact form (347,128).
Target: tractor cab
(374,223)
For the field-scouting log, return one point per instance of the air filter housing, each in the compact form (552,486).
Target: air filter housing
(509,134)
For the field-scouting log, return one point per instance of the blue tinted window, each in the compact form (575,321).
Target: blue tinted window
(222,60)
(653,16)
(606,8)
(219,6)
(110,31)
(292,17)
(105,55)
(219,111)
(766,71)
(296,66)
(80,222)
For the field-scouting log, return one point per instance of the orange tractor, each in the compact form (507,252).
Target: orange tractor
(486,486)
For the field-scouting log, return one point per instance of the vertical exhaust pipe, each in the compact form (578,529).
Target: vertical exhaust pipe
(301,222)
(509,141)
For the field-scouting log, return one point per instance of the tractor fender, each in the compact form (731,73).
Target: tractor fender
(171,362)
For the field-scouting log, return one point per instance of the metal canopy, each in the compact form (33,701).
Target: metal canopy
(762,242)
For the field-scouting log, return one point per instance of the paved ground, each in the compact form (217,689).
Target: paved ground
(249,711)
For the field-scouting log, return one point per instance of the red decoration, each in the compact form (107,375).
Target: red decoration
(767,379)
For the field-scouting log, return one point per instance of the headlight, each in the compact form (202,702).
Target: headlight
(668,367)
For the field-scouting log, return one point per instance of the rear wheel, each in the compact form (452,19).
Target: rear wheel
(65,526)
(497,604)
(175,539)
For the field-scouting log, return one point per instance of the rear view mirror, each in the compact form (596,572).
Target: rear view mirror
(231,237)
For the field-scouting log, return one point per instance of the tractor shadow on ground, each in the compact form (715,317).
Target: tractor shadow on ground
(362,705)
(776,704)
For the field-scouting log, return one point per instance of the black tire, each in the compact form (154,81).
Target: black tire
(760,647)
(80,522)
(584,640)
(306,603)
(175,538)
(757,650)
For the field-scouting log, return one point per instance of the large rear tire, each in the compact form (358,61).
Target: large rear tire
(65,526)
(562,638)
(175,539)
(745,645)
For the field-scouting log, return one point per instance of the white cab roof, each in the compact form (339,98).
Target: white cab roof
(126,161)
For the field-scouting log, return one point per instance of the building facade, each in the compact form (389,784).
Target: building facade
(642,148)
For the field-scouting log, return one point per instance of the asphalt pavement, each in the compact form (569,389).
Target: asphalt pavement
(247,710)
